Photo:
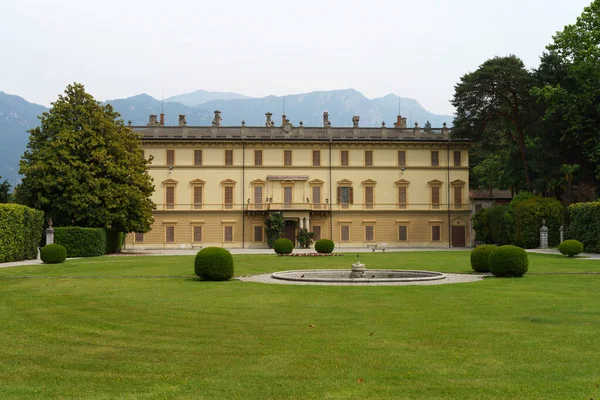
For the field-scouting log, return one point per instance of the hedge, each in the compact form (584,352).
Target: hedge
(570,247)
(509,261)
(81,242)
(53,254)
(527,217)
(324,246)
(481,225)
(114,241)
(214,264)
(21,230)
(283,246)
(585,225)
(480,257)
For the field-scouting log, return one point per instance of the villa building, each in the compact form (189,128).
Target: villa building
(215,185)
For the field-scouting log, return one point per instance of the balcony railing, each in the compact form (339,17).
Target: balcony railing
(313,207)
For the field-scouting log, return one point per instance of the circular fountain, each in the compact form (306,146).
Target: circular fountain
(358,274)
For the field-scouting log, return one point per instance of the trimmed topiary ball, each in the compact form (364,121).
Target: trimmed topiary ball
(214,264)
(480,257)
(509,261)
(53,254)
(324,246)
(283,246)
(570,247)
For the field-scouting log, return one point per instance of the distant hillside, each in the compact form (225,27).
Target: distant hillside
(202,96)
(16,117)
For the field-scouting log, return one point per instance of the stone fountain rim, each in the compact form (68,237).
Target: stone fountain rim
(433,275)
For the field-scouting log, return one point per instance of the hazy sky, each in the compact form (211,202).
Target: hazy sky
(259,47)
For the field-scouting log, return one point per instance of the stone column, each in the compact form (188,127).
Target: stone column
(544,235)
(49,233)
(301,223)
(307,224)
(562,233)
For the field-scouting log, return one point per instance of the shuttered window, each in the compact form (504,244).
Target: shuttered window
(170,234)
(170,157)
(197,157)
(228,197)
(258,233)
(369,197)
(345,233)
(170,197)
(369,236)
(197,237)
(316,196)
(344,157)
(197,197)
(402,233)
(345,195)
(402,196)
(228,234)
(316,158)
(435,158)
(139,237)
(457,160)
(258,195)
(258,161)
(317,231)
(287,196)
(436,233)
(368,158)
(401,158)
(228,157)
(287,158)
(458,197)
(435,197)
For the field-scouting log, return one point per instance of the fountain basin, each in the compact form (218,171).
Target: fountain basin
(371,275)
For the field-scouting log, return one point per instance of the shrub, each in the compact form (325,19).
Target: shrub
(481,225)
(497,224)
(528,215)
(509,261)
(324,246)
(21,229)
(274,225)
(53,254)
(114,241)
(283,246)
(570,247)
(305,238)
(81,242)
(214,264)
(480,257)
(585,225)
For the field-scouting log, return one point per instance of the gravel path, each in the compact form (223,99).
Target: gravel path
(450,278)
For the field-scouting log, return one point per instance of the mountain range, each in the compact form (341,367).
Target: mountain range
(18,115)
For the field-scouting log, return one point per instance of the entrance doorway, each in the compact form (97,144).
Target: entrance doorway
(289,231)
(458,236)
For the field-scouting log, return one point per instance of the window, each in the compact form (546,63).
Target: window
(369,197)
(435,197)
(197,157)
(402,196)
(170,234)
(170,197)
(287,196)
(345,196)
(228,200)
(316,158)
(228,233)
(197,197)
(344,158)
(197,234)
(139,237)
(435,158)
(345,233)
(317,231)
(402,233)
(368,158)
(170,157)
(458,197)
(228,157)
(436,233)
(316,197)
(287,158)
(258,158)
(457,160)
(258,233)
(401,158)
(258,195)
(369,236)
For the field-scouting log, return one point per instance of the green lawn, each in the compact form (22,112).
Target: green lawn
(120,337)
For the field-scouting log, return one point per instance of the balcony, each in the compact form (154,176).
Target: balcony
(321,207)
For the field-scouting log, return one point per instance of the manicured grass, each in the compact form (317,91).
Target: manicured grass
(528,338)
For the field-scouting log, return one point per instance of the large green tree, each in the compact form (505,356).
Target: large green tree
(4,191)
(493,105)
(84,167)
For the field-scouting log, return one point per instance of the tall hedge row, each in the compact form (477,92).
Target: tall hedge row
(585,225)
(81,242)
(114,241)
(21,229)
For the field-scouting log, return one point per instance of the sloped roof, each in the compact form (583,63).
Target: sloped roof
(494,195)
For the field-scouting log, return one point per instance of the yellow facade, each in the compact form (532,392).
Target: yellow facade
(215,185)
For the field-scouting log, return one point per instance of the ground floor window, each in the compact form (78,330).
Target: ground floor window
(436,233)
(369,233)
(258,233)
(228,234)
(139,237)
(402,233)
(345,233)
(317,231)
(170,234)
(197,234)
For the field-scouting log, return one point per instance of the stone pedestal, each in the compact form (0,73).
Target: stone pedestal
(358,270)
(50,235)
(562,233)
(544,235)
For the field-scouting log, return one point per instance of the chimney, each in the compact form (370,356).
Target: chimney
(283,120)
(162,119)
(182,120)
(217,120)
(355,120)
(152,120)
(326,122)
(400,122)
(269,123)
